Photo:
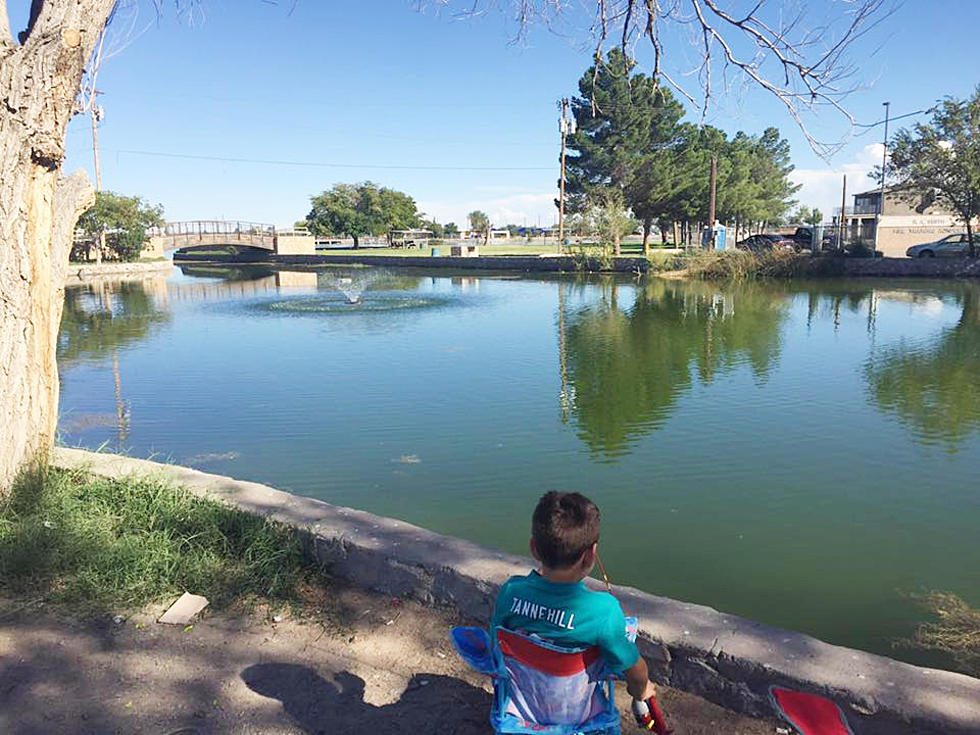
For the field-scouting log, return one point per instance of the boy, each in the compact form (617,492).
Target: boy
(554,603)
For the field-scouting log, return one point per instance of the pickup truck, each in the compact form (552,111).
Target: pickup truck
(803,237)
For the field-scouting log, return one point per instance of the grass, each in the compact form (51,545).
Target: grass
(742,265)
(93,544)
(954,631)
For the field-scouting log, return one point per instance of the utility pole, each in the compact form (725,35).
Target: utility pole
(881,194)
(97,114)
(712,183)
(563,125)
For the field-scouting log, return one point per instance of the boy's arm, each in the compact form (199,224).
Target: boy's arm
(638,682)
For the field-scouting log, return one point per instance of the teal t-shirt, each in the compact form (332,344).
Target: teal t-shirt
(567,615)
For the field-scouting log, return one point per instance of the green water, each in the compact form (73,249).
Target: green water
(801,454)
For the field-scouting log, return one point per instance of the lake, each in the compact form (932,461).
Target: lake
(803,454)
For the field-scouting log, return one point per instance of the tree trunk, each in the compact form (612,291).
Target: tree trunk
(39,81)
(971,247)
(647,224)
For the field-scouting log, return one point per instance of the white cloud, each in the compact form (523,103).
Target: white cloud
(821,187)
(527,207)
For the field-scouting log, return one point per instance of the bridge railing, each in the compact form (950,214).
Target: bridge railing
(214,227)
(216,232)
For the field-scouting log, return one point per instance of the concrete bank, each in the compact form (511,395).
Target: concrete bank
(913,267)
(82,272)
(523,263)
(724,658)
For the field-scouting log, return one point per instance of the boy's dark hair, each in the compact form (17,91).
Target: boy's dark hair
(563,526)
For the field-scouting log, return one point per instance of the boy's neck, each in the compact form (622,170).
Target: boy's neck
(562,576)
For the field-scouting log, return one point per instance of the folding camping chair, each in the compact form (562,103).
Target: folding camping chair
(539,687)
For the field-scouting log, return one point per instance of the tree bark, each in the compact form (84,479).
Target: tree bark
(39,82)
(647,224)
(971,247)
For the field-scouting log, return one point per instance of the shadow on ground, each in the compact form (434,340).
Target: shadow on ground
(430,703)
(237,673)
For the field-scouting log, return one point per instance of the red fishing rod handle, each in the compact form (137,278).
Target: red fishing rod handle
(649,716)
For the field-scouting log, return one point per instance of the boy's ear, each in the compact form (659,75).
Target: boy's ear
(534,549)
(590,555)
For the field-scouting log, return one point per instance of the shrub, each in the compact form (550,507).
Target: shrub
(738,265)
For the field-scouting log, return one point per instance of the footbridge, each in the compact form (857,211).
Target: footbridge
(201,235)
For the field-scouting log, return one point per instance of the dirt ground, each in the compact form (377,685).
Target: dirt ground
(354,663)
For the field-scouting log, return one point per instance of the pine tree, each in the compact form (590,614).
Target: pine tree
(625,131)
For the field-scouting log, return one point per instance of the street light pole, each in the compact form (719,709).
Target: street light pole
(881,194)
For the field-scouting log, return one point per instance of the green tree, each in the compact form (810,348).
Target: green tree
(121,316)
(807,216)
(933,387)
(623,123)
(753,181)
(610,219)
(434,227)
(480,222)
(124,220)
(941,158)
(361,209)
(451,229)
(628,368)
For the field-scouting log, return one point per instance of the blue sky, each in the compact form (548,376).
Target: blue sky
(443,108)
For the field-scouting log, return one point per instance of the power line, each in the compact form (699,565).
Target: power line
(320,164)
(893,119)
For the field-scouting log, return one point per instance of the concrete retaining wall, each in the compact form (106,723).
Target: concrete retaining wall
(287,244)
(524,263)
(722,657)
(913,267)
(81,272)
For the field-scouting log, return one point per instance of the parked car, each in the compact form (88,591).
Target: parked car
(951,246)
(803,238)
(765,242)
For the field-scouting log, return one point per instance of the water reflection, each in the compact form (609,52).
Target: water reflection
(626,367)
(934,388)
(99,319)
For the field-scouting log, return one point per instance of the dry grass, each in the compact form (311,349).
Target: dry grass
(739,265)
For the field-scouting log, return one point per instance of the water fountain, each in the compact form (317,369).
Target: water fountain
(363,290)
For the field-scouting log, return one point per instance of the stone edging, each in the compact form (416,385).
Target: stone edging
(727,659)
(913,267)
(523,263)
(77,272)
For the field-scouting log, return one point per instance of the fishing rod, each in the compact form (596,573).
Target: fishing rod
(647,712)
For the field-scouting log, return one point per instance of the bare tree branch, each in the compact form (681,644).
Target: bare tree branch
(36,6)
(794,55)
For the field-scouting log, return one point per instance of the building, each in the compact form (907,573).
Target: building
(904,221)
